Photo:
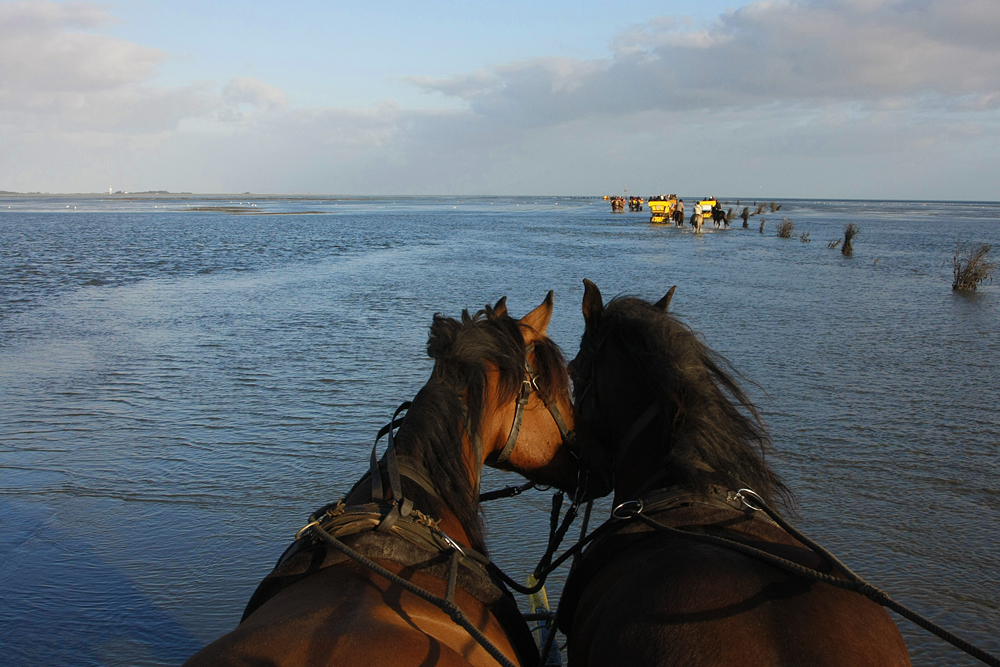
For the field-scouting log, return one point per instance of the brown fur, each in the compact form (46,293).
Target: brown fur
(346,615)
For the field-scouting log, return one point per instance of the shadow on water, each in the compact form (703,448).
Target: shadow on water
(101,617)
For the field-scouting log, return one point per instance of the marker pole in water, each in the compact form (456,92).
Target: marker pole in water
(538,603)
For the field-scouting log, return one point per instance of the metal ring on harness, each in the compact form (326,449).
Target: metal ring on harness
(451,542)
(304,528)
(619,513)
(741,495)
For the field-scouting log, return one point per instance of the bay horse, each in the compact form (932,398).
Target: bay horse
(685,443)
(498,395)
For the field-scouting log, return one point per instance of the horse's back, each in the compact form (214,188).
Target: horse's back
(344,616)
(694,604)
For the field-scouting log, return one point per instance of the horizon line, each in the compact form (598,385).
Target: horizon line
(349,196)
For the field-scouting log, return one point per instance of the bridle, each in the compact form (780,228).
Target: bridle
(528,385)
(397,466)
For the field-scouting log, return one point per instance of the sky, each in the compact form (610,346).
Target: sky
(859,99)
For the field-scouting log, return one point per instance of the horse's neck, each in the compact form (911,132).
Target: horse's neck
(418,478)
(652,464)
(639,450)
(644,453)
(642,467)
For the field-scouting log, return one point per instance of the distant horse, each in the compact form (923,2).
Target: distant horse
(498,394)
(719,218)
(697,219)
(685,444)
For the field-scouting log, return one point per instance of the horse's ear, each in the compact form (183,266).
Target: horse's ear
(664,303)
(593,304)
(538,319)
(501,308)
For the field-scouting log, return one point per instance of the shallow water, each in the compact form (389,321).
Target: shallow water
(180,388)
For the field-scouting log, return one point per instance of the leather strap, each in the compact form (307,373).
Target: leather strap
(635,429)
(401,506)
(527,386)
(522,400)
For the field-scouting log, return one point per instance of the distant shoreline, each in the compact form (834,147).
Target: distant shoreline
(150,194)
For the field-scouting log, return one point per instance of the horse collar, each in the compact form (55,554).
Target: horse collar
(672,497)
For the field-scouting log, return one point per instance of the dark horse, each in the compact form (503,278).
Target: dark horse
(685,443)
(719,217)
(497,395)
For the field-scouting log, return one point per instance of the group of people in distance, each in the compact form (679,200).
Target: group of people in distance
(702,210)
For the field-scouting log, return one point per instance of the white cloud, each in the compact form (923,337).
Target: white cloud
(803,98)
(58,79)
(812,52)
(244,90)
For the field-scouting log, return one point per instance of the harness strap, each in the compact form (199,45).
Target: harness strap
(567,435)
(377,492)
(401,506)
(415,472)
(852,583)
(342,520)
(527,386)
(522,401)
(390,457)
(642,422)
(668,498)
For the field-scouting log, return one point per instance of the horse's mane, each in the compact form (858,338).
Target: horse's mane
(450,405)
(710,430)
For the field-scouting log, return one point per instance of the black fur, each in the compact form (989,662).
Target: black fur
(710,432)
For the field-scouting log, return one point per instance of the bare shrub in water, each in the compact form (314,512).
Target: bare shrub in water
(785,228)
(805,237)
(833,244)
(762,221)
(970,266)
(775,206)
(850,231)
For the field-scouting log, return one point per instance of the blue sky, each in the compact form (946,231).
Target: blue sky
(793,98)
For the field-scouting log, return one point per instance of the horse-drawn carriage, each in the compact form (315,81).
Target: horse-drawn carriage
(661,208)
